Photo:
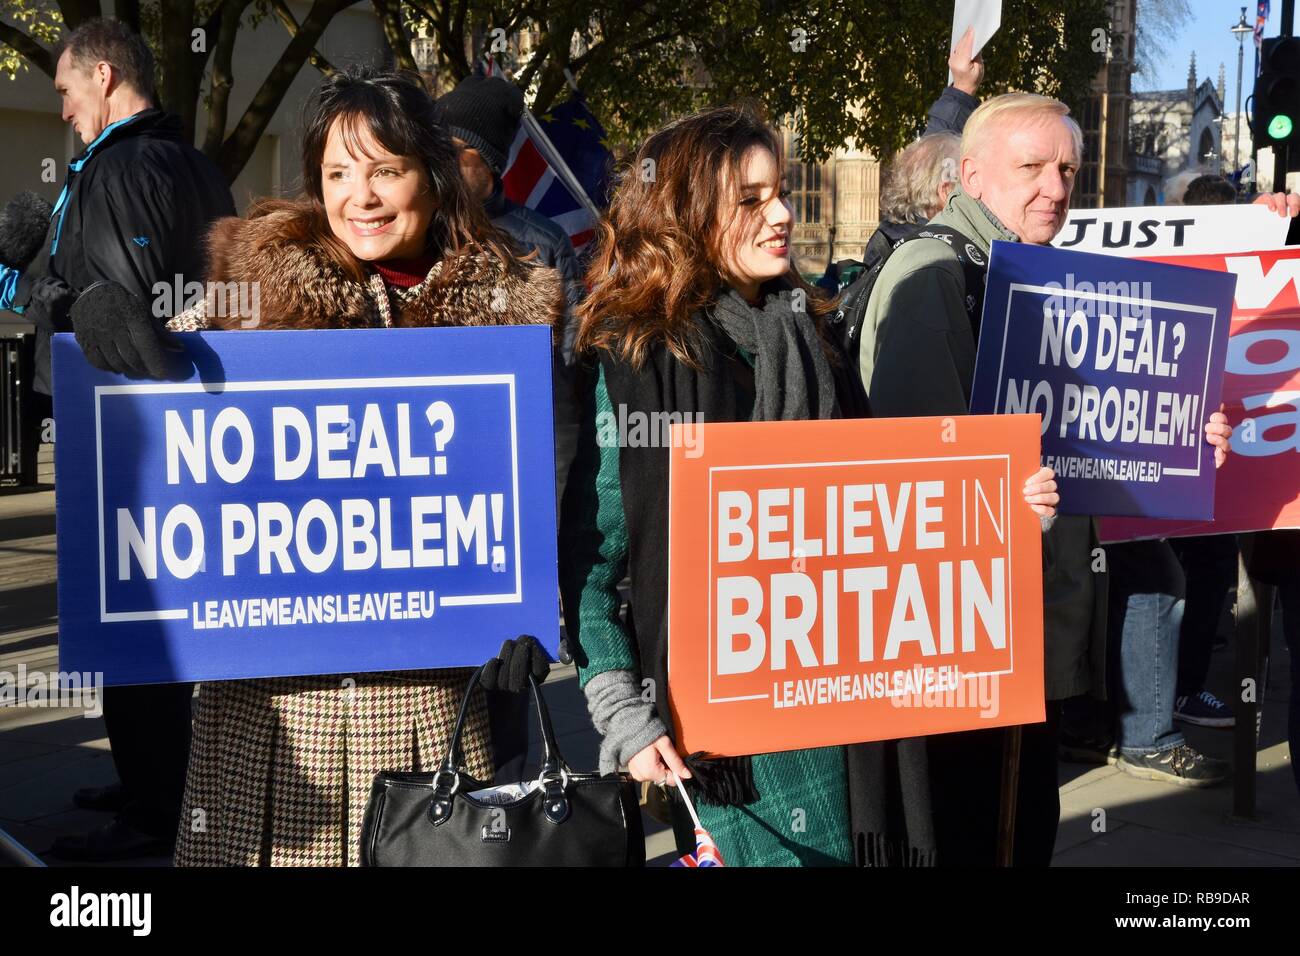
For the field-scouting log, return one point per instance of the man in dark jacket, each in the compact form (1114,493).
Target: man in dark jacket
(134,210)
(137,201)
(482,114)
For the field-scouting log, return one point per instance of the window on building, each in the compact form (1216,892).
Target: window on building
(1086,187)
(806,191)
(805,182)
(425,52)
(1206,146)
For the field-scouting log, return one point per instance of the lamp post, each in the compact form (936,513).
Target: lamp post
(1240,30)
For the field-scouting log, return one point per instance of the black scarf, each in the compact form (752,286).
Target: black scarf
(889,791)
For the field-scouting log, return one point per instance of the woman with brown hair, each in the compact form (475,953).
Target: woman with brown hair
(695,308)
(386,236)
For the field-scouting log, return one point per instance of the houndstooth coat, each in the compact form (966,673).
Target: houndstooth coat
(280,768)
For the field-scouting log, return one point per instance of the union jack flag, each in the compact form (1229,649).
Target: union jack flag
(1261,21)
(531,181)
(540,170)
(706,852)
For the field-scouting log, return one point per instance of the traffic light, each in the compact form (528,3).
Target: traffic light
(1275,119)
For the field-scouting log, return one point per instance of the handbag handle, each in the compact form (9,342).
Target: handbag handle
(554,775)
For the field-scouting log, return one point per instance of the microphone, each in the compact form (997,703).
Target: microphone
(23,225)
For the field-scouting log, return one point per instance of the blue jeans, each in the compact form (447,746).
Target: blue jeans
(1146,612)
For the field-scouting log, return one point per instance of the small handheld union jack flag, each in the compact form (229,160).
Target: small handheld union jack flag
(706,851)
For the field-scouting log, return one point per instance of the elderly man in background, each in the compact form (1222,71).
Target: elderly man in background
(917,184)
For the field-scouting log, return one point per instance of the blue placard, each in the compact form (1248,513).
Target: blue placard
(1124,361)
(307,503)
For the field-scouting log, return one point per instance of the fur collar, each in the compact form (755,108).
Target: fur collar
(300,287)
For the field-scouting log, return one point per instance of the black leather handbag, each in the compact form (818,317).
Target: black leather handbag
(563,819)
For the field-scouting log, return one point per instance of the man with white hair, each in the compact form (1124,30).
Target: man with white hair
(1020,154)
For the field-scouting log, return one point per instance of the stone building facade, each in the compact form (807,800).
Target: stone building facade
(1172,131)
(836,205)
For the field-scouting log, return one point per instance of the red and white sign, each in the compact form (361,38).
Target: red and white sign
(1258,487)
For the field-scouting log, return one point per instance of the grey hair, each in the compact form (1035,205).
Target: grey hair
(911,189)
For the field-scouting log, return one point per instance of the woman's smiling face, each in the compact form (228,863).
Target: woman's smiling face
(378,204)
(756,225)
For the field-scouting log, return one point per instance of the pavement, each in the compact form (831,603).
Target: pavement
(1107,817)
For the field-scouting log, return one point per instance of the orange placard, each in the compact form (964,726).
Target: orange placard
(840,581)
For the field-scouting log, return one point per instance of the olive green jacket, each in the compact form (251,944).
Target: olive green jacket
(918,358)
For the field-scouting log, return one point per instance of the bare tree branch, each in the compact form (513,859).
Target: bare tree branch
(458,31)
(535,62)
(232,11)
(286,17)
(34,53)
(523,13)
(210,28)
(178,92)
(128,11)
(243,139)
(77,12)
(553,81)
(602,50)
(451,46)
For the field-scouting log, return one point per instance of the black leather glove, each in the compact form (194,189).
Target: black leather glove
(117,333)
(509,670)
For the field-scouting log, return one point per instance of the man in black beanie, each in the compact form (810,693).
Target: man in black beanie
(482,114)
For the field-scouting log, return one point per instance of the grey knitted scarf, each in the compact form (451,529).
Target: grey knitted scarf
(792,377)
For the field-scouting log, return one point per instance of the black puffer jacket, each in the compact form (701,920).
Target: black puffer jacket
(134,210)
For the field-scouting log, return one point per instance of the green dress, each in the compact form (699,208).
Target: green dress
(802,816)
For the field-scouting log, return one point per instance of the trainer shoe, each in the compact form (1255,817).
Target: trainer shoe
(1182,766)
(1204,710)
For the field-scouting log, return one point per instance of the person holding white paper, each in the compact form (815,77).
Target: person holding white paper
(948,114)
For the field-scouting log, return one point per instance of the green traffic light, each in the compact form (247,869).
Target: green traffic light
(1280,126)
